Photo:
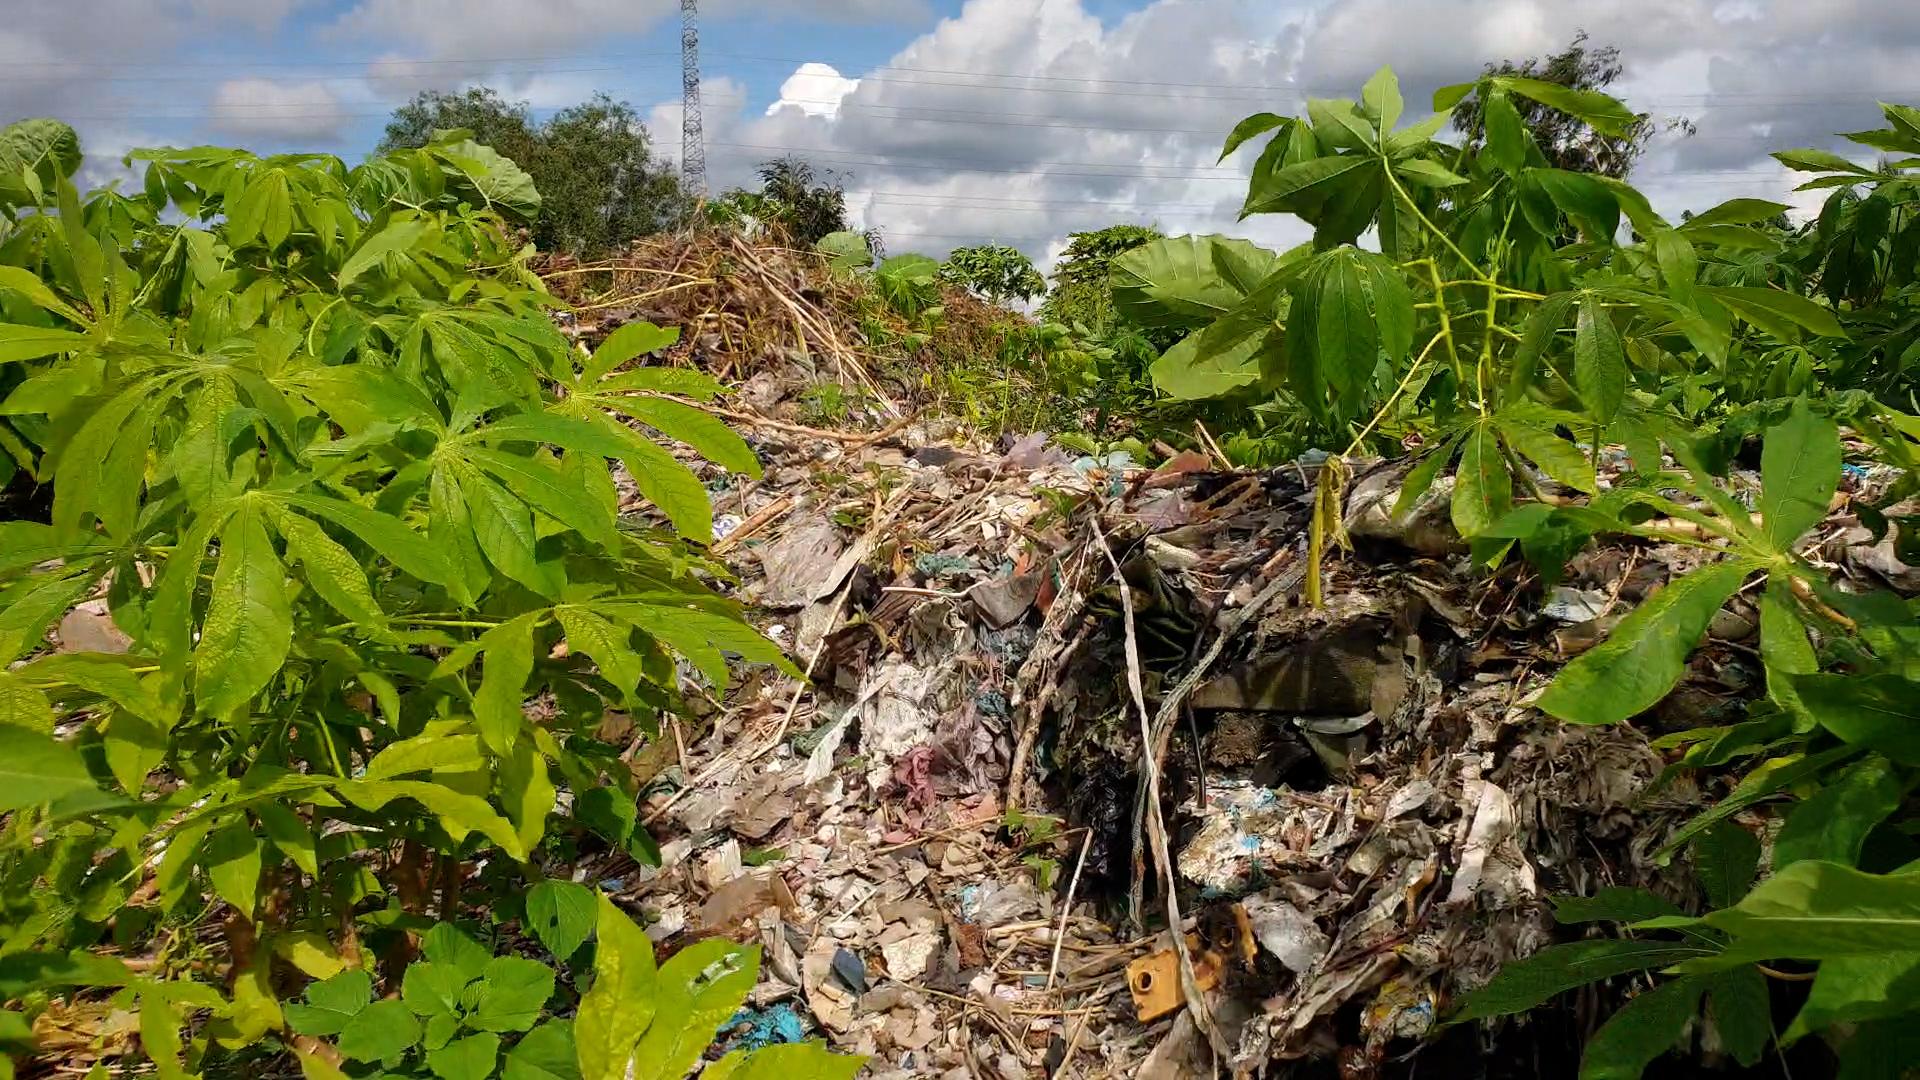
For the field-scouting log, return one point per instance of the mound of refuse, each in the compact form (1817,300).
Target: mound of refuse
(1057,704)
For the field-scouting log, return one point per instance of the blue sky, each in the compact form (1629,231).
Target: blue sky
(955,121)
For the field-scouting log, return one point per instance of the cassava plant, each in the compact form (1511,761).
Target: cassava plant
(344,492)
(1504,322)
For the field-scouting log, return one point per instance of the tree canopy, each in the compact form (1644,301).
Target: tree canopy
(600,183)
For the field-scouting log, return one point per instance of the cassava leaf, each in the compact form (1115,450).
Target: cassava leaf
(249,623)
(1615,904)
(1599,360)
(1258,124)
(1833,822)
(1482,488)
(1524,984)
(1799,471)
(1641,1030)
(1647,653)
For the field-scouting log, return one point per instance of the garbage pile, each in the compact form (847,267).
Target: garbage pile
(1057,705)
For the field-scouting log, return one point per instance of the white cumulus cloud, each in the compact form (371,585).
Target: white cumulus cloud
(814,89)
(269,109)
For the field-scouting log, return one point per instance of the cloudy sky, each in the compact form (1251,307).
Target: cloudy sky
(956,122)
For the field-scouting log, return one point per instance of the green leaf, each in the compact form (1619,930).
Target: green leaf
(385,534)
(1799,471)
(450,529)
(22,706)
(1175,281)
(32,342)
(606,644)
(1297,185)
(1679,265)
(293,836)
(32,606)
(1735,212)
(1784,648)
(468,1058)
(35,155)
(508,661)
(35,770)
(1812,160)
(1599,361)
(1599,111)
(1773,775)
(458,814)
(382,1030)
(1779,313)
(1616,903)
(695,633)
(1420,478)
(1878,711)
(635,339)
(1507,136)
(1217,360)
(233,865)
(1346,336)
(1737,1003)
(1556,457)
(846,250)
(1583,198)
(699,989)
(1381,96)
(1854,989)
(397,236)
(1257,124)
(793,1061)
(431,989)
(502,183)
(1428,173)
(620,1006)
(1818,910)
(249,623)
(1833,822)
(1725,857)
(552,491)
(547,1053)
(504,529)
(561,915)
(430,751)
(449,945)
(332,571)
(1482,488)
(670,486)
(513,990)
(687,382)
(331,1003)
(1641,1030)
(714,440)
(527,790)
(1647,653)
(1524,984)
(28,284)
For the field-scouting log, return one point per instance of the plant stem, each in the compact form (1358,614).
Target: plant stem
(1421,216)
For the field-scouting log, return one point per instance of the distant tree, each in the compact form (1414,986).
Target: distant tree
(996,272)
(1081,287)
(600,184)
(803,205)
(496,122)
(1568,143)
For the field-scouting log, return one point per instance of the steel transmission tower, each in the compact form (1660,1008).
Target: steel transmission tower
(693,145)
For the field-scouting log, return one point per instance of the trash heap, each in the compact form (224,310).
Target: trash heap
(946,839)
